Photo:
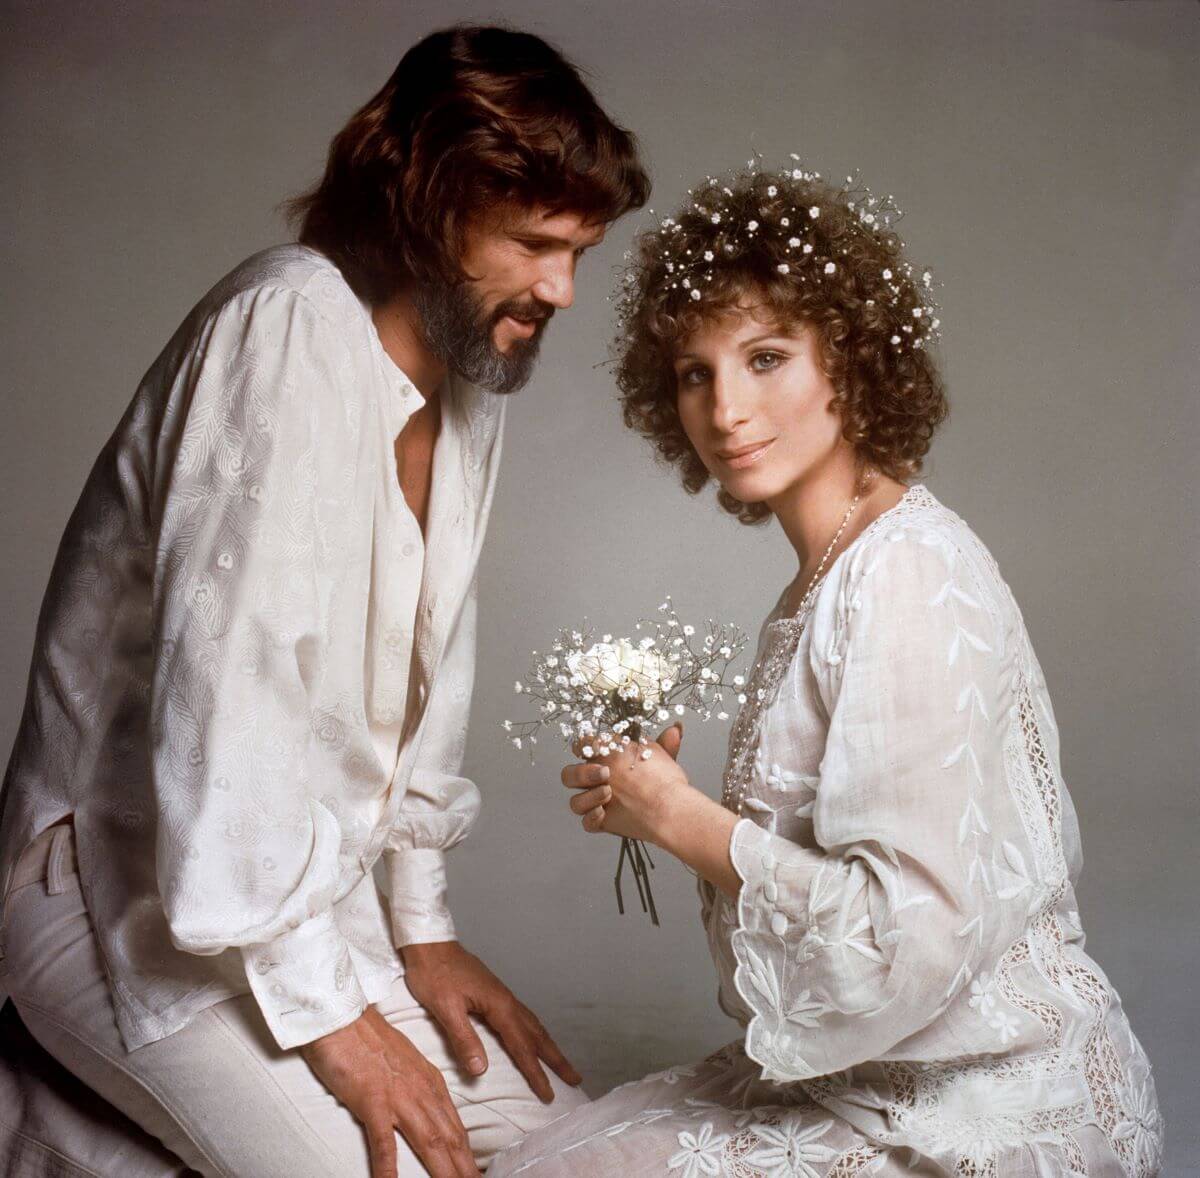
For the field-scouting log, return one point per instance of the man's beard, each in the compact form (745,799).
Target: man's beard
(458,330)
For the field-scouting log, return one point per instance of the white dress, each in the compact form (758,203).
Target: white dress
(905,953)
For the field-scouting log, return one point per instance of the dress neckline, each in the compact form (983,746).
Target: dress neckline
(917,494)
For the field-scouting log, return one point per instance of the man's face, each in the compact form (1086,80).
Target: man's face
(521,266)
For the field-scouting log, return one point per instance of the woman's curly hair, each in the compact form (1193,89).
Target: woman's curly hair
(802,252)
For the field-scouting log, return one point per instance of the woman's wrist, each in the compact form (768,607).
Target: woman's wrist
(697,830)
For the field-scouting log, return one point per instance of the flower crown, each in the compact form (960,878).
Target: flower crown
(783,218)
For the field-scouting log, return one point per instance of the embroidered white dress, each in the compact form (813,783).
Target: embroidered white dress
(252,675)
(905,952)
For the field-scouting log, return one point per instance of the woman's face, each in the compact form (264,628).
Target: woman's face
(756,405)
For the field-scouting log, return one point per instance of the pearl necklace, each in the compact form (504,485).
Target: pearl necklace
(734,799)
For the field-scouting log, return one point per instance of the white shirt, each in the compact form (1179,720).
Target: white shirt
(251,677)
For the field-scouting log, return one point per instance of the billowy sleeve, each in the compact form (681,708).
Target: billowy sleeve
(247,570)
(440,805)
(918,880)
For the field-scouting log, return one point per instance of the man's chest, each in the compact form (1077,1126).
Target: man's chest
(414,458)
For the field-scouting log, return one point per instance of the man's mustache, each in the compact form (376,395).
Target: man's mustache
(531,312)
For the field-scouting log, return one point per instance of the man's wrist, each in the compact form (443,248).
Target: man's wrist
(422,951)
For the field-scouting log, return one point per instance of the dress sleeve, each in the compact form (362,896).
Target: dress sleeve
(846,950)
(247,856)
(440,805)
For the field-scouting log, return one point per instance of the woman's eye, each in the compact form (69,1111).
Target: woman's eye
(765,361)
(693,376)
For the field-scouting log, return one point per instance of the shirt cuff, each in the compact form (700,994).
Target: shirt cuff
(418,887)
(304,982)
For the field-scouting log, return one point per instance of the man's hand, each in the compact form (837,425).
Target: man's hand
(453,984)
(387,1084)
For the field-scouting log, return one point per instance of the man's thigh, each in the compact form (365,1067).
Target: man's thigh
(219,1093)
(498,1107)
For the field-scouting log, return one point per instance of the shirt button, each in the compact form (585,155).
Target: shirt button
(409,549)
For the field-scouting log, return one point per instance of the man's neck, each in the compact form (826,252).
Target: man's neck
(398,327)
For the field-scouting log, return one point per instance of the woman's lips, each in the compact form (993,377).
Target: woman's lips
(745,455)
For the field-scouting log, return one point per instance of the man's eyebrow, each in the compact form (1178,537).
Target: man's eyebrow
(553,238)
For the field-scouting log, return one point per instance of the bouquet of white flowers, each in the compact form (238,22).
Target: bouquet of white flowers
(601,696)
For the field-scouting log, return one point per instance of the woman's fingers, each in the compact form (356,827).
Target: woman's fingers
(589,799)
(583,775)
(593,820)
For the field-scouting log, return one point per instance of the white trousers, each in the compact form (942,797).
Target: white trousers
(218,1094)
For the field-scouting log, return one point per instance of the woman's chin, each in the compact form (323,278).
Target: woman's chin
(748,490)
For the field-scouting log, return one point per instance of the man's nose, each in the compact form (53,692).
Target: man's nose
(556,284)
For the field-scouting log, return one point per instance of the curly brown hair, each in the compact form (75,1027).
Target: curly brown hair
(798,250)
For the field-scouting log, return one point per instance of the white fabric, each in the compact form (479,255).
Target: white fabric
(218,1098)
(905,951)
(251,678)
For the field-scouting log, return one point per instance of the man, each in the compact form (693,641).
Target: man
(253,665)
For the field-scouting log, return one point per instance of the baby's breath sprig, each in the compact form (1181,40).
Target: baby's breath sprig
(783,214)
(602,696)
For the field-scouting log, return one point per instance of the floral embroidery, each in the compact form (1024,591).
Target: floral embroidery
(791,1148)
(700,1152)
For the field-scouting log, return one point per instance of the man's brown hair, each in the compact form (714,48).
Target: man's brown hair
(472,117)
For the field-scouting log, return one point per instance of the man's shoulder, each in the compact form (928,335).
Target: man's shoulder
(293,269)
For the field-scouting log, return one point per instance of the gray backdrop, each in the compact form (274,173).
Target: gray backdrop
(1046,154)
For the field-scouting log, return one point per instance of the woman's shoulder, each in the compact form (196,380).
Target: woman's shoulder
(920,534)
(906,558)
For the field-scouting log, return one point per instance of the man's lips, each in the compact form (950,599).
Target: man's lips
(741,456)
(525,328)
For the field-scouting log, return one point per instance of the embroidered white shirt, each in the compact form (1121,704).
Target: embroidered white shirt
(251,676)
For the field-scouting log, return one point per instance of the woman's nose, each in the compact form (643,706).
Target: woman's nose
(730,405)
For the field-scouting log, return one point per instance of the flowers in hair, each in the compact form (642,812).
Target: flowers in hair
(792,212)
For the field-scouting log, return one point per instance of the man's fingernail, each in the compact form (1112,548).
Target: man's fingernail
(475,1065)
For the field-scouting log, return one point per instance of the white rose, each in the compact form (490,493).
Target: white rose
(644,668)
(599,667)
(608,666)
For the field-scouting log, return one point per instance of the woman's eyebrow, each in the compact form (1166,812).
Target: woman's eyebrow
(758,339)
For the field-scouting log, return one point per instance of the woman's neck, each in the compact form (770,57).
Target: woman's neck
(812,511)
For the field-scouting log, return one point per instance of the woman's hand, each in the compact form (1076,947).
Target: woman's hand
(627,794)
(387,1084)
(653,801)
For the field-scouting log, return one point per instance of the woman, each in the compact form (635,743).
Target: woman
(887,882)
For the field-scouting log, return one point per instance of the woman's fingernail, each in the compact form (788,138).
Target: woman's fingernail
(603,773)
(608,793)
